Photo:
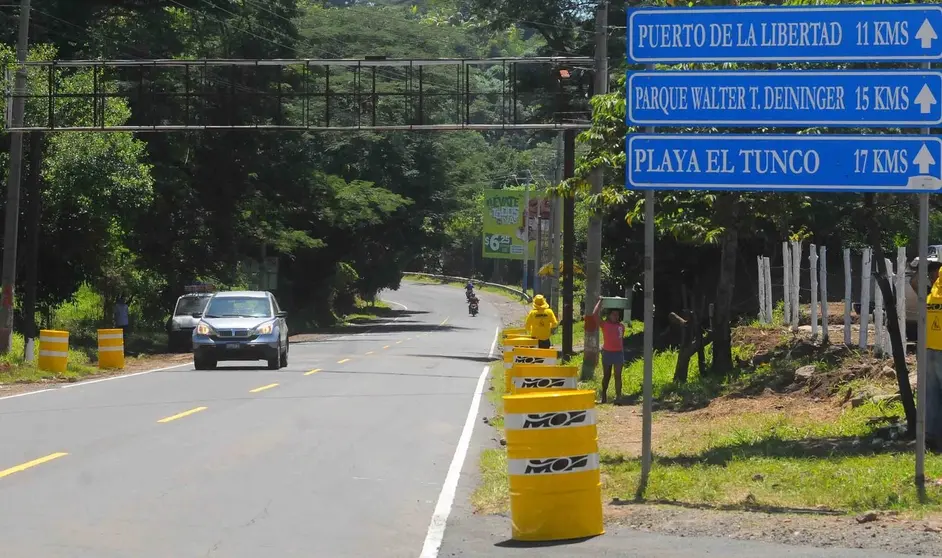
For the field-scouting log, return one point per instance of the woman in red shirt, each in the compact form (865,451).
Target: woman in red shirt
(613,349)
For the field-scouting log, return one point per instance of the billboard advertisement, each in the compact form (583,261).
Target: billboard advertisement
(503,222)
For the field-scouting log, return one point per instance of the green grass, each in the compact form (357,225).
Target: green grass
(776,460)
(493,493)
(477,286)
(13,369)
(367,312)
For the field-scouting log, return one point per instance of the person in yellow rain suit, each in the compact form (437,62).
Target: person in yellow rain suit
(541,321)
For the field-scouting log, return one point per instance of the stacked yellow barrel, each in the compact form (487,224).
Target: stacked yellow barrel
(553,464)
(111,348)
(552,445)
(53,350)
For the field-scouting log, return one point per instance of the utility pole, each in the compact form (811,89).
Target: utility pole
(526,233)
(569,240)
(557,226)
(11,222)
(34,213)
(593,260)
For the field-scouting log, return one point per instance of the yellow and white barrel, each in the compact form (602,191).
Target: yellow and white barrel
(513,332)
(509,343)
(53,350)
(526,378)
(527,355)
(553,464)
(111,348)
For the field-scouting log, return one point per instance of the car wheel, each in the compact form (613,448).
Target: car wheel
(274,363)
(204,363)
(284,357)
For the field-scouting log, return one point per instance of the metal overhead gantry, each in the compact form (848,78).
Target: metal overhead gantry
(373,94)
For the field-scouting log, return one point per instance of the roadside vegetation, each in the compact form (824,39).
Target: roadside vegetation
(795,426)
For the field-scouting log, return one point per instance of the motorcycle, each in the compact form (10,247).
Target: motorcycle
(468,295)
(473,307)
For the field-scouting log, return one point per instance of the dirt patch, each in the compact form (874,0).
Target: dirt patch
(887,532)
(512,312)
(620,427)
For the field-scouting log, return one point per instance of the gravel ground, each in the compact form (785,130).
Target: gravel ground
(884,532)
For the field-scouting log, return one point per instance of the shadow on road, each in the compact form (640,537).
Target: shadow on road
(482,359)
(510,543)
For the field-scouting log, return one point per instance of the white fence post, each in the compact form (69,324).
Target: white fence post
(761,275)
(864,299)
(796,282)
(878,331)
(847,295)
(769,299)
(823,271)
(813,267)
(901,292)
(787,280)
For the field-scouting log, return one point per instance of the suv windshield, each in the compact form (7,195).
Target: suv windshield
(189,305)
(238,307)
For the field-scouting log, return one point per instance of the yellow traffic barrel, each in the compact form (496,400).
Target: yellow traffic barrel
(53,350)
(553,465)
(111,348)
(512,342)
(527,355)
(511,331)
(934,317)
(525,378)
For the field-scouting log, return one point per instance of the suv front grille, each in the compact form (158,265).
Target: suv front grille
(233,333)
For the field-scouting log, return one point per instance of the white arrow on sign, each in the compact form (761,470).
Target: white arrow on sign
(925,99)
(924,159)
(926,34)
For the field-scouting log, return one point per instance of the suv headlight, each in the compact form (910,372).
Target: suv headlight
(265,329)
(203,328)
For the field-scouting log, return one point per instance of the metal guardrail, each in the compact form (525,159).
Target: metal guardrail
(449,278)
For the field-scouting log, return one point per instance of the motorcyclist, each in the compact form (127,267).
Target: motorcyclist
(472,301)
(469,291)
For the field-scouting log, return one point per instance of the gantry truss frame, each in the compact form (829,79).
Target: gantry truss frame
(373,94)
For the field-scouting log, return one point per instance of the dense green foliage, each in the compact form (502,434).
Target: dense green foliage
(344,213)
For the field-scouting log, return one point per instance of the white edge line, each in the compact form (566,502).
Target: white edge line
(404,307)
(99,380)
(446,498)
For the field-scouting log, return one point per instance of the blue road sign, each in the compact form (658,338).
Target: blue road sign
(798,99)
(784,163)
(786,34)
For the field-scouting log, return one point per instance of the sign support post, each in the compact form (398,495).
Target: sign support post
(796,99)
(647,383)
(921,368)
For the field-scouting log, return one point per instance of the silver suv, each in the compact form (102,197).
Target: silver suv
(241,325)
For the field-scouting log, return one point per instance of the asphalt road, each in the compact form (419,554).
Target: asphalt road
(343,453)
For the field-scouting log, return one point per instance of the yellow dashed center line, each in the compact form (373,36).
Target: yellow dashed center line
(263,388)
(183,414)
(445,321)
(343,360)
(33,463)
(315,371)
(400,341)
(386,347)
(369,352)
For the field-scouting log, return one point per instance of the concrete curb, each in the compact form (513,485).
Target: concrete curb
(447,278)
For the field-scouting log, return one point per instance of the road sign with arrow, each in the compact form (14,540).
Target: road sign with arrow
(786,34)
(806,163)
(790,99)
